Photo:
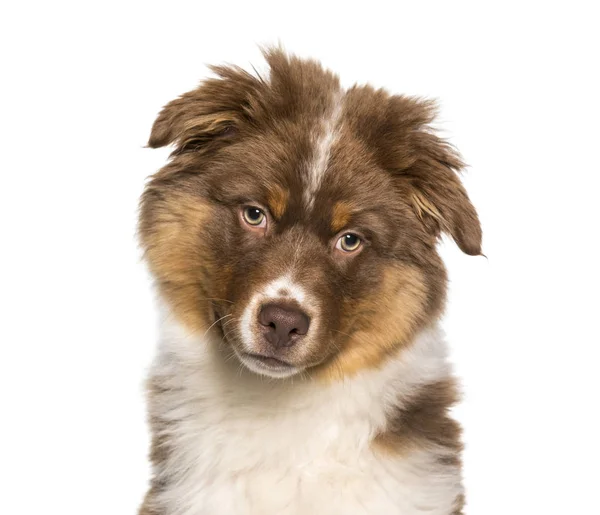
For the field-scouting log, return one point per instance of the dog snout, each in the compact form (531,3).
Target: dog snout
(282,325)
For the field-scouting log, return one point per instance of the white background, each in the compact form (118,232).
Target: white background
(81,84)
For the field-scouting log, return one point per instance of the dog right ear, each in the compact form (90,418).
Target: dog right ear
(215,111)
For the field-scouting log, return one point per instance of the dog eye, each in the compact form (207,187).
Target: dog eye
(254,216)
(348,242)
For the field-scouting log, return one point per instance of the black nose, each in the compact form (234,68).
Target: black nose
(283,325)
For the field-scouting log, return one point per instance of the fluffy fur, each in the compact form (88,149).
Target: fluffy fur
(352,415)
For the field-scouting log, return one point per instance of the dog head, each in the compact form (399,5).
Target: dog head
(300,220)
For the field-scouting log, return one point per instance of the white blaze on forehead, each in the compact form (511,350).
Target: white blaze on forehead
(326,135)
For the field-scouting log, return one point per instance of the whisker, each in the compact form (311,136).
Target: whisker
(240,369)
(230,357)
(215,322)
(345,334)
(229,321)
(215,298)
(337,347)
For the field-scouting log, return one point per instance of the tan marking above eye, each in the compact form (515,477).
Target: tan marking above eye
(277,200)
(340,216)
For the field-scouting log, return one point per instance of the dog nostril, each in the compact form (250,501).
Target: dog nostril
(283,324)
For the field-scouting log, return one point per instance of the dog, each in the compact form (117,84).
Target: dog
(292,239)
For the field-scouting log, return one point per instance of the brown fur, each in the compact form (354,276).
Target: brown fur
(278,199)
(459,505)
(386,320)
(147,507)
(241,139)
(180,263)
(341,216)
(424,420)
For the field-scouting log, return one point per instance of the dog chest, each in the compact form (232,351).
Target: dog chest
(313,456)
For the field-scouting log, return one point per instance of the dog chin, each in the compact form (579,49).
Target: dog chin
(267,367)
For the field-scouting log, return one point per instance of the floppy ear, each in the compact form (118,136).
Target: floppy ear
(200,119)
(437,195)
(425,166)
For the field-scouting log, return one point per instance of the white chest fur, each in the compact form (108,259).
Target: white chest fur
(239,444)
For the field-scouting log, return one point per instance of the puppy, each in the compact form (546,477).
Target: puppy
(292,237)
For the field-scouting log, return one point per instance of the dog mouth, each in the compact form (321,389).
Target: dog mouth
(261,364)
(268,361)
(267,365)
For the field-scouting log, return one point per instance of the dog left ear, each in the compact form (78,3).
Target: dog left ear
(182,122)
(437,195)
(202,118)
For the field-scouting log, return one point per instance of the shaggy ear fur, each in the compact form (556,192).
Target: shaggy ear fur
(223,106)
(437,194)
(426,167)
(200,119)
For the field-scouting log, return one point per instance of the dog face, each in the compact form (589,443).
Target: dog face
(300,220)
